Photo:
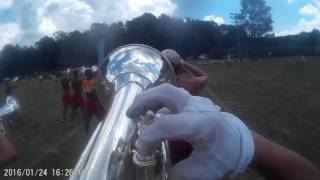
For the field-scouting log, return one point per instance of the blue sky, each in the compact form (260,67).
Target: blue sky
(26,21)
(285,14)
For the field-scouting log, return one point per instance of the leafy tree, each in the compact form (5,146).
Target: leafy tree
(255,17)
(48,52)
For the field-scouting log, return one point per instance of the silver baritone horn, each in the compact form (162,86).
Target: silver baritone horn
(110,153)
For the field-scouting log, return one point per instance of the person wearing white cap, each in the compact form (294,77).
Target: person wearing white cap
(189,77)
(223,145)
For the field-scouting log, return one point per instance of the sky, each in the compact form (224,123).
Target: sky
(24,22)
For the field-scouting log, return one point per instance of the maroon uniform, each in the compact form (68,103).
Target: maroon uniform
(77,99)
(66,97)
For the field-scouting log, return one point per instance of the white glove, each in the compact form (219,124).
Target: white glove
(223,145)
(173,56)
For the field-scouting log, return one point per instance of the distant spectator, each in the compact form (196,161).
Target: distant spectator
(302,63)
(40,77)
(229,60)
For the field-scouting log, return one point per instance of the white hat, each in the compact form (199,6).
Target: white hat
(172,56)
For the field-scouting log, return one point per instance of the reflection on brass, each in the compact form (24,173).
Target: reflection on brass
(11,106)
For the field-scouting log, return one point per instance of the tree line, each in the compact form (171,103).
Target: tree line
(249,37)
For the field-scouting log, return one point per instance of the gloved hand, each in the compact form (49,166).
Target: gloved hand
(173,57)
(223,145)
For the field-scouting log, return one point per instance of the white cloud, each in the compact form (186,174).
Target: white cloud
(4,4)
(309,9)
(9,32)
(111,11)
(66,15)
(47,26)
(213,18)
(312,10)
(37,18)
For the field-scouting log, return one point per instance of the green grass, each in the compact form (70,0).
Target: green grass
(273,98)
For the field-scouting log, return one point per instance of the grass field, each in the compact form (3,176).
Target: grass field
(272,96)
